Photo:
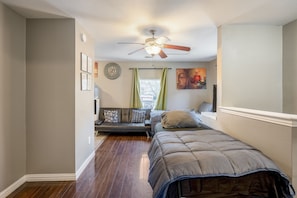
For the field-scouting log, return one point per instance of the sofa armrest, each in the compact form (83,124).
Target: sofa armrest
(99,122)
(147,122)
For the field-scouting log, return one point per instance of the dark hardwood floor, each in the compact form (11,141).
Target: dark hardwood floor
(118,170)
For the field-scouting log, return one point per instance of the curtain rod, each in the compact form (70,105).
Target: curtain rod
(143,68)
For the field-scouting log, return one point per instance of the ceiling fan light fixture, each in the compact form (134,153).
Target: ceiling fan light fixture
(154,46)
(153,49)
(161,40)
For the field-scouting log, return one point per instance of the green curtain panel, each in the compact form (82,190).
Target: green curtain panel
(161,102)
(135,101)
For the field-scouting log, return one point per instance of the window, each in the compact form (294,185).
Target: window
(149,90)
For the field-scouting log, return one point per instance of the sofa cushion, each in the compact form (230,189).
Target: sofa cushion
(126,115)
(138,116)
(121,127)
(111,116)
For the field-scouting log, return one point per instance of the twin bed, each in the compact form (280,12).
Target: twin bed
(210,163)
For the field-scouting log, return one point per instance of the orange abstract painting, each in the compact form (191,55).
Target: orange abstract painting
(192,78)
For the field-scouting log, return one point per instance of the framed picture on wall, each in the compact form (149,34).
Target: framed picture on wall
(90,65)
(83,62)
(84,81)
(89,82)
(96,70)
(192,78)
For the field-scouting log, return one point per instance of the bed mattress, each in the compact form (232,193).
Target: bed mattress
(203,154)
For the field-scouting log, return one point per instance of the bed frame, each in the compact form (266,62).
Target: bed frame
(261,184)
(209,163)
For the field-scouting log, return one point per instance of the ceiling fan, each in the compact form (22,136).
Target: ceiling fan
(154,46)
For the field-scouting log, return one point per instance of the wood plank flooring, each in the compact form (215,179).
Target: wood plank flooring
(118,170)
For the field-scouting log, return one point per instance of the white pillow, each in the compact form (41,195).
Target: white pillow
(204,107)
(111,116)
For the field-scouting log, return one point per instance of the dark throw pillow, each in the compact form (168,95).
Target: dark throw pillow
(138,116)
(111,116)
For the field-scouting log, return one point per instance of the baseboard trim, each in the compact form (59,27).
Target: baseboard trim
(46,177)
(50,177)
(84,165)
(37,178)
(13,187)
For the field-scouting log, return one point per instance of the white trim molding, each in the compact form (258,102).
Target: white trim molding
(37,178)
(12,187)
(50,177)
(46,177)
(84,165)
(211,115)
(266,116)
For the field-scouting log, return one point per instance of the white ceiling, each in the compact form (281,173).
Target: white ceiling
(191,23)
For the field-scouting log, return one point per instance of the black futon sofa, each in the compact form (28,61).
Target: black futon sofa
(123,120)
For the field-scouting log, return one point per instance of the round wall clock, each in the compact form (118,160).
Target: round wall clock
(112,71)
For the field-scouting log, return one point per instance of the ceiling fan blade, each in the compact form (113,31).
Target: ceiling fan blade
(177,47)
(162,54)
(135,51)
(130,43)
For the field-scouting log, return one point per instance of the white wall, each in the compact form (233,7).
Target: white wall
(290,68)
(84,102)
(12,97)
(249,54)
(251,66)
(276,140)
(116,93)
